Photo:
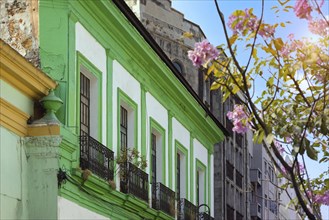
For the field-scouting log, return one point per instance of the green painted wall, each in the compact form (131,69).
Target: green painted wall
(122,43)
(13,177)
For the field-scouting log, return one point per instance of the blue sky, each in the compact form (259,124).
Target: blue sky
(203,13)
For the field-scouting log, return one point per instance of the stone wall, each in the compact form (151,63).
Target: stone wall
(19,27)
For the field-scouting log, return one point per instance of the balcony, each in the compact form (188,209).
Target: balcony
(163,199)
(186,210)
(134,181)
(96,157)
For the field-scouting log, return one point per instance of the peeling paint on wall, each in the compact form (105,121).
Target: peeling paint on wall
(19,27)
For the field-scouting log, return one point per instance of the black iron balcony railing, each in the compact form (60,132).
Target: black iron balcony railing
(96,157)
(186,210)
(163,199)
(134,181)
(229,170)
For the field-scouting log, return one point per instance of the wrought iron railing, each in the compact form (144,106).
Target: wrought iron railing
(229,170)
(96,157)
(186,210)
(134,181)
(163,199)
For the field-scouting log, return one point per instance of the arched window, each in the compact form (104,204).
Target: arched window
(178,66)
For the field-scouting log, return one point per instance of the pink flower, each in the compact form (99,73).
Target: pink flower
(245,21)
(319,27)
(279,147)
(322,199)
(240,127)
(303,9)
(239,118)
(202,53)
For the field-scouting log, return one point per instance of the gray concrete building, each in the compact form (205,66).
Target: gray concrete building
(265,193)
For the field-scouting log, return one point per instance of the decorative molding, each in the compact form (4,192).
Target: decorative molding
(43,130)
(43,146)
(13,118)
(17,71)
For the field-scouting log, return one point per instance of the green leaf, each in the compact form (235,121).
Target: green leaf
(326,181)
(259,136)
(214,86)
(278,43)
(269,139)
(233,38)
(312,153)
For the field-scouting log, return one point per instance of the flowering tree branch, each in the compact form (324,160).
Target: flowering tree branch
(293,109)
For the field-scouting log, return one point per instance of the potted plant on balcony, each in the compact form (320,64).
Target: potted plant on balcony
(130,155)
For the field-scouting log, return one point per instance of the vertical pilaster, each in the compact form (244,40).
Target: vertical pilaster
(43,165)
(170,150)
(143,122)
(192,170)
(109,98)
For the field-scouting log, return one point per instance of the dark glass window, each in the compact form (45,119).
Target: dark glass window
(178,177)
(153,174)
(230,212)
(84,105)
(178,67)
(124,129)
(198,188)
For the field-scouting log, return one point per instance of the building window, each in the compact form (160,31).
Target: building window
(178,66)
(127,112)
(197,188)
(123,129)
(178,176)
(154,158)
(265,201)
(84,105)
(181,171)
(230,212)
(201,182)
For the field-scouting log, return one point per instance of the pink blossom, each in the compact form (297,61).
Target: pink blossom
(245,22)
(266,31)
(240,127)
(321,77)
(291,36)
(302,9)
(279,147)
(322,199)
(202,53)
(301,167)
(319,27)
(239,118)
